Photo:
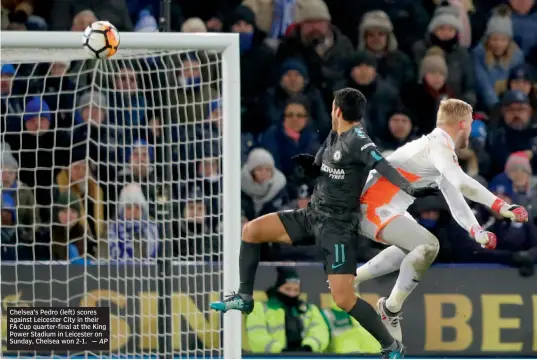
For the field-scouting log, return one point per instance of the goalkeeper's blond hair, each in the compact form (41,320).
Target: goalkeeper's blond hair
(451,111)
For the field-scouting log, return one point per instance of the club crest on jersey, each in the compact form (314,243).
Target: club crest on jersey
(337,155)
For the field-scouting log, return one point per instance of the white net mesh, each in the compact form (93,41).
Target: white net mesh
(111,194)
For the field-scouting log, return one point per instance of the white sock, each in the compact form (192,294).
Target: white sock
(387,261)
(412,268)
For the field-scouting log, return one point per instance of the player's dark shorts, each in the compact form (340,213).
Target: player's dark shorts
(336,238)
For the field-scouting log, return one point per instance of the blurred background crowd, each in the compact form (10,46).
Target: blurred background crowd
(82,160)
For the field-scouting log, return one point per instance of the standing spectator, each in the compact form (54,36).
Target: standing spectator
(443,32)
(399,130)
(294,135)
(382,97)
(494,58)
(256,58)
(320,44)
(524,23)
(284,322)
(36,147)
(133,234)
(294,80)
(376,36)
(59,92)
(515,132)
(262,185)
(78,180)
(522,78)
(77,15)
(423,97)
(27,213)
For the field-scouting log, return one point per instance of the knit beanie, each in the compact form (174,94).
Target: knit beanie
(94,98)
(434,61)
(518,160)
(285,275)
(377,19)
(445,15)
(258,157)
(7,161)
(294,64)
(315,10)
(193,25)
(361,58)
(500,22)
(67,199)
(241,13)
(132,194)
(36,107)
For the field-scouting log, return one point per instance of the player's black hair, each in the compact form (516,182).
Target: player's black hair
(352,104)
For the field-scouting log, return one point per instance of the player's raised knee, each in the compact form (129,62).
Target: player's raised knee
(251,231)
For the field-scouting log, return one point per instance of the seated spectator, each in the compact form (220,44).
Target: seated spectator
(443,32)
(423,98)
(518,179)
(133,234)
(524,17)
(382,97)
(78,180)
(16,245)
(494,58)
(376,37)
(140,169)
(126,103)
(256,58)
(68,229)
(10,103)
(321,46)
(522,78)
(191,88)
(399,130)
(284,323)
(515,132)
(294,80)
(27,216)
(294,135)
(197,240)
(59,92)
(347,336)
(262,185)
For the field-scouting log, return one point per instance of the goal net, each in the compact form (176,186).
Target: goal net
(119,188)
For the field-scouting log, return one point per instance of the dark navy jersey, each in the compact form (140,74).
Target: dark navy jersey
(345,162)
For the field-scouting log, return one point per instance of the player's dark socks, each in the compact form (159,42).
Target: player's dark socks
(370,320)
(248,262)
(390,313)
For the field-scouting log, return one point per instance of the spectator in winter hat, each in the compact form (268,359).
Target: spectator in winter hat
(423,97)
(140,156)
(294,80)
(479,131)
(93,107)
(524,17)
(193,25)
(262,185)
(376,36)
(256,58)
(320,44)
(494,58)
(7,72)
(382,97)
(11,98)
(133,234)
(442,32)
(522,78)
(518,177)
(514,133)
(78,179)
(146,22)
(293,135)
(28,217)
(37,117)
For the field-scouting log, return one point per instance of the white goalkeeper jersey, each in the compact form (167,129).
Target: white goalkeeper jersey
(429,159)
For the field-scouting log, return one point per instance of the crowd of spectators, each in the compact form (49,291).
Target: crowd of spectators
(82,161)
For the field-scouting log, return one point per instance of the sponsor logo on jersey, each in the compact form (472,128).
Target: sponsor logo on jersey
(366,146)
(336,174)
(337,155)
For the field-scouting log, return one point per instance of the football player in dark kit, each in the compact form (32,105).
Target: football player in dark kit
(341,167)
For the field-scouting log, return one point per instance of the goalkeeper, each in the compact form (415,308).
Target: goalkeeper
(341,166)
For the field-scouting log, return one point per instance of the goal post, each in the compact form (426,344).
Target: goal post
(49,47)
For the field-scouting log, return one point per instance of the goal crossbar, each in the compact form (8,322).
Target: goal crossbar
(28,44)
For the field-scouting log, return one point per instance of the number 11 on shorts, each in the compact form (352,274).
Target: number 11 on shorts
(340,255)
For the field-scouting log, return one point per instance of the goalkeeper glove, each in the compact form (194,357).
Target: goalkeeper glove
(483,237)
(307,163)
(513,212)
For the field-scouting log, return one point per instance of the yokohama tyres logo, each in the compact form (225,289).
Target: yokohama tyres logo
(336,174)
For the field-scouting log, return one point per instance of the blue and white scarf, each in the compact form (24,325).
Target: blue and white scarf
(125,235)
(282,18)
